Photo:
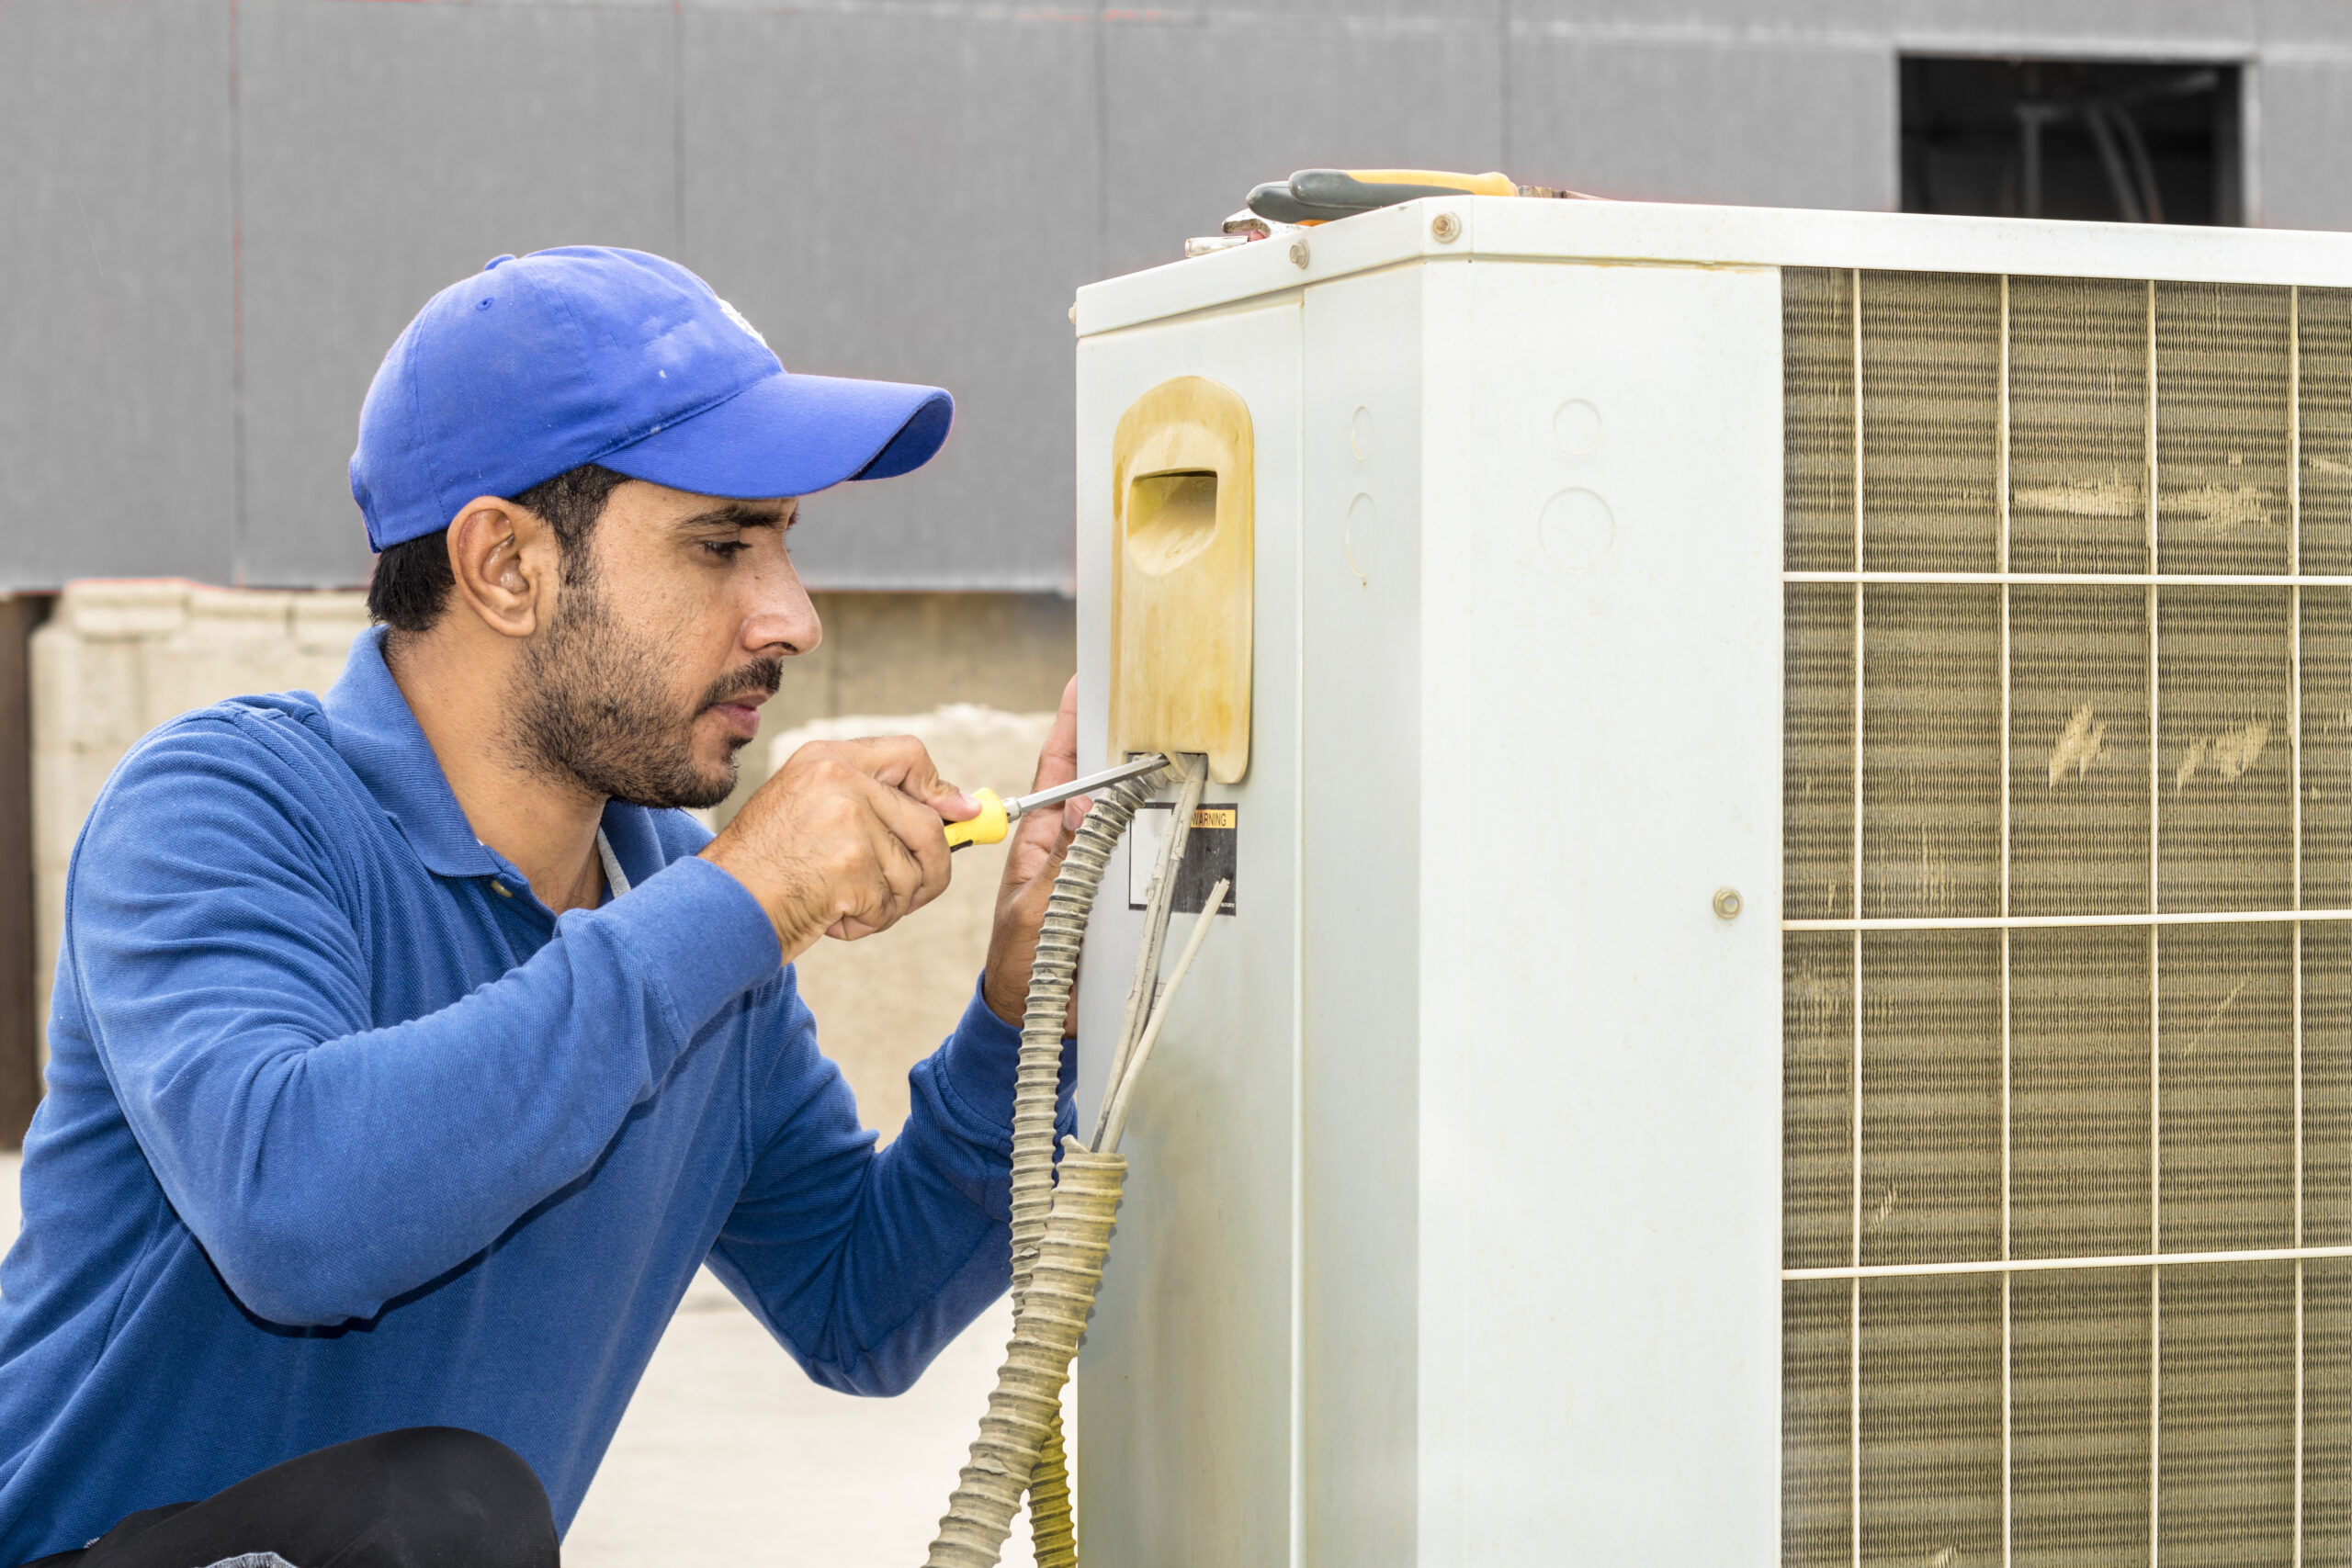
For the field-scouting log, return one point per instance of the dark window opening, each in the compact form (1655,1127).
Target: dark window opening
(2101,140)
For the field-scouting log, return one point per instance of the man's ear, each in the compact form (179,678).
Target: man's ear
(504,560)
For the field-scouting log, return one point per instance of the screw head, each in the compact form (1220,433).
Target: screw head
(1298,253)
(1727,903)
(1445,227)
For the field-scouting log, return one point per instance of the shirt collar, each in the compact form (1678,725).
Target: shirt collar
(633,834)
(377,735)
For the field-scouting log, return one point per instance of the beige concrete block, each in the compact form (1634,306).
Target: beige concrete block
(55,673)
(887,1001)
(914,653)
(314,672)
(87,692)
(325,624)
(233,643)
(65,785)
(66,782)
(131,607)
(239,614)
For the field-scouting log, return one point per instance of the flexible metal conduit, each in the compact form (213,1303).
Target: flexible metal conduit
(1061,1233)
(1024,1409)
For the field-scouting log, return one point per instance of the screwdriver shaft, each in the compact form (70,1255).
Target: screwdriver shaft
(1022,805)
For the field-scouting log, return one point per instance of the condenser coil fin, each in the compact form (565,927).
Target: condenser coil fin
(2067,977)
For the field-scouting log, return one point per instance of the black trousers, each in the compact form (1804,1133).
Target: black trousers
(425,1498)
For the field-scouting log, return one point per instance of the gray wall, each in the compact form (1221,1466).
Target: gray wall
(214,216)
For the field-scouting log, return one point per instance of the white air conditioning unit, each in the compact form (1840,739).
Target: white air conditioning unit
(1592,1138)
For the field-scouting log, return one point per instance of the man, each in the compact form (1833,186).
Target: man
(411,1050)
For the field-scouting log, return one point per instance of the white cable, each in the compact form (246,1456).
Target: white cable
(1114,1114)
(1143,991)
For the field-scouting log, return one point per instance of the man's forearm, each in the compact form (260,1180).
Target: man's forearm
(866,1267)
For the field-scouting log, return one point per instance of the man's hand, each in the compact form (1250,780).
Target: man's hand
(1032,858)
(845,839)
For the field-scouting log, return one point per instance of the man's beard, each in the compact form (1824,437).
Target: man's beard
(595,706)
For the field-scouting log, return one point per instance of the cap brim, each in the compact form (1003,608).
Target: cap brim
(794,435)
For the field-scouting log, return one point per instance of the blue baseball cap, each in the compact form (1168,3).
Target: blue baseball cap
(538,363)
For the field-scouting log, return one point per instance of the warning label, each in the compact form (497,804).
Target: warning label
(1211,853)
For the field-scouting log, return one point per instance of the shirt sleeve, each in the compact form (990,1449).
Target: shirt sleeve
(865,1264)
(223,943)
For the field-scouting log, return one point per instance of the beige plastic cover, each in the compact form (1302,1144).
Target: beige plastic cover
(1182,482)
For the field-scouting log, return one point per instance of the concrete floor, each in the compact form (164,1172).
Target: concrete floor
(729,1454)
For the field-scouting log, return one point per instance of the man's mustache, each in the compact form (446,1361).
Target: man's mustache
(761,677)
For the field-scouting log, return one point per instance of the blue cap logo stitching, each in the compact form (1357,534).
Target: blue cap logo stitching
(736,316)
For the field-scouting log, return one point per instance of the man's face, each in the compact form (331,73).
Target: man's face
(666,636)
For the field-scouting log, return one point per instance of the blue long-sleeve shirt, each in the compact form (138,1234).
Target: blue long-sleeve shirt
(345,1132)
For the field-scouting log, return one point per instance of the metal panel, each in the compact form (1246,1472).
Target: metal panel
(1805,27)
(2139,28)
(389,150)
(1599,1127)
(1360,1045)
(1197,115)
(2304,21)
(1779,127)
(2306,121)
(1286,21)
(1500,227)
(1719,20)
(116,416)
(909,198)
(1186,1385)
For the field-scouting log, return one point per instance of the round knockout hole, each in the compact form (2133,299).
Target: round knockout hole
(1727,903)
(1361,537)
(1576,425)
(1360,434)
(1576,528)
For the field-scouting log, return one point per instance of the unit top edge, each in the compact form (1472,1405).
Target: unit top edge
(1656,234)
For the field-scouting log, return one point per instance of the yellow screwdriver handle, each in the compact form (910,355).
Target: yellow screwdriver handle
(988,828)
(1468,185)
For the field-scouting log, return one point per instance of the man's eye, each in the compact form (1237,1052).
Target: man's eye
(726,550)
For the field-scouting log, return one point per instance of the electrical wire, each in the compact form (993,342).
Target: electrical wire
(1158,900)
(1114,1105)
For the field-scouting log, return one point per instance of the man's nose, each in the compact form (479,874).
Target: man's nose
(784,622)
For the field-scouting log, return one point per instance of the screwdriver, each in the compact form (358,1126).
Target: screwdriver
(996,816)
(1321,196)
